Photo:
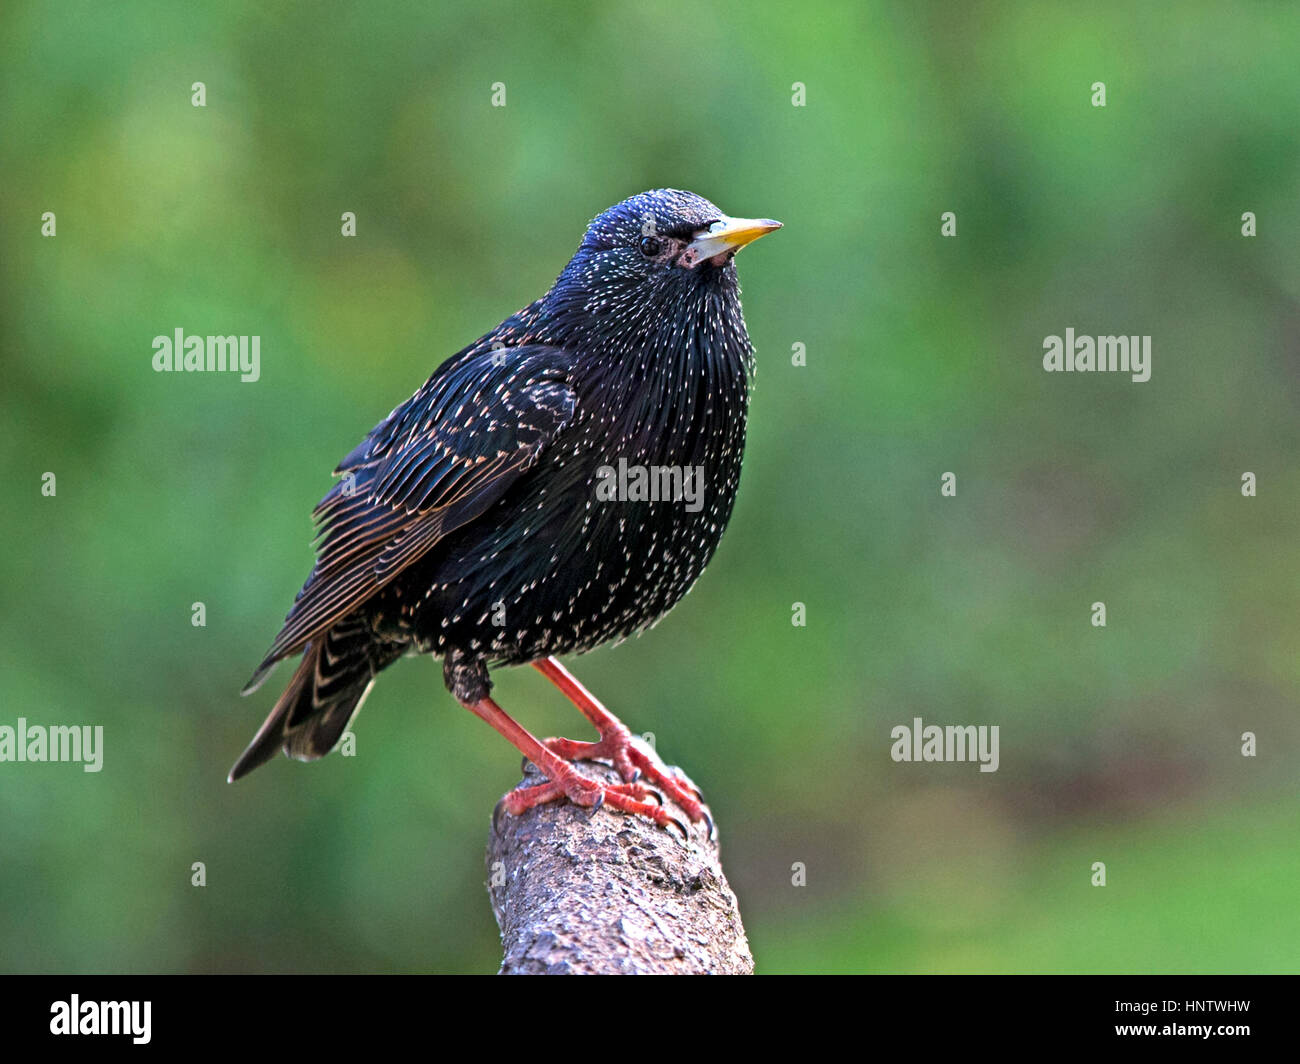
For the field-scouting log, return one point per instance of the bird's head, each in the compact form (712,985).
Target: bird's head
(657,253)
(662,230)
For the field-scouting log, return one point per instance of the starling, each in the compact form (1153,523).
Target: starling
(490,520)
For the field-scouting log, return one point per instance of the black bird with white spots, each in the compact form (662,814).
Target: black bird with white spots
(467,524)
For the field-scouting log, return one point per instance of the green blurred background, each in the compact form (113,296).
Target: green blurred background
(923,356)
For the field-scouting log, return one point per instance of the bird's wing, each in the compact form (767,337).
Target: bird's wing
(436,462)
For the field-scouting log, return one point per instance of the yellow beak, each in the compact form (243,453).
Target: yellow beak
(725,237)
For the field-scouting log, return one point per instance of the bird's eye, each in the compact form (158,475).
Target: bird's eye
(651,246)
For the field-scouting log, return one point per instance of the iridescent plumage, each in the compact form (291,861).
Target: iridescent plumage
(467,524)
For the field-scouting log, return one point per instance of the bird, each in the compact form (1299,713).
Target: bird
(481,522)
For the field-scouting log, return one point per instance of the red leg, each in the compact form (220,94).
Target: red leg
(564,780)
(631,757)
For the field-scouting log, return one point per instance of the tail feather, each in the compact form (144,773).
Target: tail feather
(323,695)
(259,677)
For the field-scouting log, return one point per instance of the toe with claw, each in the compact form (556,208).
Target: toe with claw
(631,797)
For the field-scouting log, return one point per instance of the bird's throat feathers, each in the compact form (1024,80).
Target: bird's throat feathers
(646,353)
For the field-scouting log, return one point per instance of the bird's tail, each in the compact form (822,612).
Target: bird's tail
(324,694)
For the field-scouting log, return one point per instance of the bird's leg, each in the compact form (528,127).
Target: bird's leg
(564,781)
(631,757)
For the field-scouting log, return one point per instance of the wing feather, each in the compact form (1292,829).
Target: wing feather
(434,464)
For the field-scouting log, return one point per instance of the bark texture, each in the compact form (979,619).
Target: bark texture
(577,892)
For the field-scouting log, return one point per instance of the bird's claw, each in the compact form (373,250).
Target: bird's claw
(637,765)
(497,810)
(633,799)
(646,788)
(680,826)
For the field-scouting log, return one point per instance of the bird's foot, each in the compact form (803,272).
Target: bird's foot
(565,781)
(629,797)
(634,760)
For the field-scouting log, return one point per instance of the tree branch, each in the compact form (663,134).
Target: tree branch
(577,892)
